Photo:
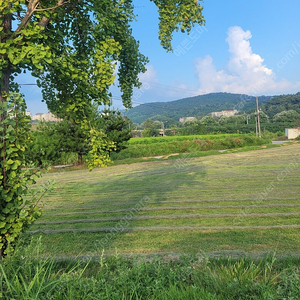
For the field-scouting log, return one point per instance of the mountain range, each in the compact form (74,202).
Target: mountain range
(197,106)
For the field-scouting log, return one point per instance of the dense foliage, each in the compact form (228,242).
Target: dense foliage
(115,126)
(67,142)
(282,103)
(72,47)
(17,212)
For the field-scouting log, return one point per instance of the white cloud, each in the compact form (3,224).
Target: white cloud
(152,90)
(149,76)
(245,72)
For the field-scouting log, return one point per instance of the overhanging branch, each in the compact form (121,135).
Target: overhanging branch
(32,8)
(51,8)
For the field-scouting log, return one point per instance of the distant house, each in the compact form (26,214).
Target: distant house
(45,117)
(187,119)
(27,113)
(226,113)
(292,133)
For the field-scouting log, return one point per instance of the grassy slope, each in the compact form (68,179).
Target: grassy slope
(245,201)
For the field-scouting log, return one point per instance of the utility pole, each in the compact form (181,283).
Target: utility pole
(257,113)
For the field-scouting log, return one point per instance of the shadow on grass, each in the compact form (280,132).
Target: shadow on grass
(147,189)
(111,199)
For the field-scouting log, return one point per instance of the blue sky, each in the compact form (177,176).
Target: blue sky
(247,46)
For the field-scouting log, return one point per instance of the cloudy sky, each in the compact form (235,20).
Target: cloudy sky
(247,46)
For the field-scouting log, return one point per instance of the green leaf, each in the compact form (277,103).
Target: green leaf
(10,162)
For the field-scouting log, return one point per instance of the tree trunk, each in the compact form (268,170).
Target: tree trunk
(79,159)
(4,84)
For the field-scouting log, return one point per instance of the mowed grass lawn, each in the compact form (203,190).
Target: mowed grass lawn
(247,201)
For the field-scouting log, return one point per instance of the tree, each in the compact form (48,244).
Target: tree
(168,122)
(263,117)
(115,126)
(237,119)
(150,128)
(208,120)
(72,47)
(52,142)
(43,149)
(286,116)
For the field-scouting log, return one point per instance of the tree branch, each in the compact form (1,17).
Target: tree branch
(51,8)
(45,20)
(32,8)
(17,16)
(32,5)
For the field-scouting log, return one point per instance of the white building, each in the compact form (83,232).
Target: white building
(45,117)
(226,113)
(292,133)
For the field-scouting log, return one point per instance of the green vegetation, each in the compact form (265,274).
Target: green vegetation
(72,48)
(281,103)
(66,142)
(145,147)
(189,228)
(239,123)
(197,106)
(245,201)
(276,114)
(16,213)
(27,276)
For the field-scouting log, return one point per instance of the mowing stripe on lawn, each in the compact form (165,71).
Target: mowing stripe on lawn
(171,217)
(163,228)
(196,206)
(158,201)
(178,208)
(130,204)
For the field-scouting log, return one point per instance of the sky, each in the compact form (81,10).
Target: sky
(247,46)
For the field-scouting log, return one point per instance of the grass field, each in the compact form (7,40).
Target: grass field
(228,203)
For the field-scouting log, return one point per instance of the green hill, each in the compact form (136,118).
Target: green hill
(197,106)
(281,103)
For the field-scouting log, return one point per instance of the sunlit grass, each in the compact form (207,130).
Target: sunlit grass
(215,193)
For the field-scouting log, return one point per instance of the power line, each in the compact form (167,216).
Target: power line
(27,83)
(157,86)
(172,88)
(141,103)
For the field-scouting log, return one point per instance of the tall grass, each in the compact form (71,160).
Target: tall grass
(26,275)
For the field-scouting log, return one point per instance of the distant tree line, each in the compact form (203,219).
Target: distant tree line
(200,106)
(243,123)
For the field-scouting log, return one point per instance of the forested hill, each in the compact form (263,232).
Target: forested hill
(197,106)
(281,103)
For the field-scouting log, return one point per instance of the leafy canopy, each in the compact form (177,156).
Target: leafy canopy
(73,46)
